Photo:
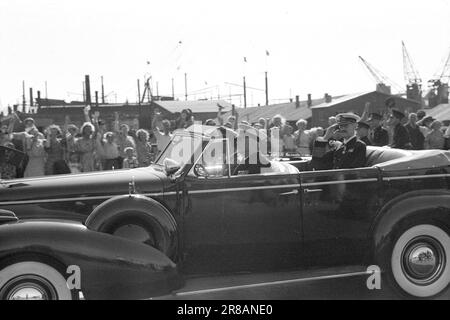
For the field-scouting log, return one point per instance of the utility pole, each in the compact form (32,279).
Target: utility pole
(139,91)
(31,97)
(267,90)
(46,92)
(245,93)
(103,92)
(96,99)
(84,93)
(88,89)
(173,90)
(157,89)
(23,96)
(149,94)
(185,86)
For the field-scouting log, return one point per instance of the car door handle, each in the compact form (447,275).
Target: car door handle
(293,192)
(312,190)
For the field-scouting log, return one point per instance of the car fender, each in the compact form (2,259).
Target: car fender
(163,221)
(110,267)
(407,205)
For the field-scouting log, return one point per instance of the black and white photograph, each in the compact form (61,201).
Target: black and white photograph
(224,155)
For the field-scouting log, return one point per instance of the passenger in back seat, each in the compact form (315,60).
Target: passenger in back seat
(352,152)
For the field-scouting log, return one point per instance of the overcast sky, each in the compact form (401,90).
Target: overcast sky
(313,45)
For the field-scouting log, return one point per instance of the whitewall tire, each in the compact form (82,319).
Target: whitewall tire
(32,280)
(420,261)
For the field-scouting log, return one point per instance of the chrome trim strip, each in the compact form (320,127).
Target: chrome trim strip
(443,175)
(283,186)
(324,183)
(272,283)
(75,199)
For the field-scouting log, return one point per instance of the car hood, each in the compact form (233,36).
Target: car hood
(103,183)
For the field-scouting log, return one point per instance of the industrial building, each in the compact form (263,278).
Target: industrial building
(356,103)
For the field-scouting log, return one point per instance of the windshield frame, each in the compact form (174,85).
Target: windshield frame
(184,169)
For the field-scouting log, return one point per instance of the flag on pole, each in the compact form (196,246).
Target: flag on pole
(267,53)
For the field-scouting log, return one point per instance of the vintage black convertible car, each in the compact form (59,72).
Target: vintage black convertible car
(217,217)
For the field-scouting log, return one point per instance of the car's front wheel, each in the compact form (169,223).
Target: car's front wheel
(418,264)
(32,281)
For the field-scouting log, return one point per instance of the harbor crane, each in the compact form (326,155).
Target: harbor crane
(438,85)
(384,84)
(412,77)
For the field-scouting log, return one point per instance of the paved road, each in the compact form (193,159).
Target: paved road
(286,285)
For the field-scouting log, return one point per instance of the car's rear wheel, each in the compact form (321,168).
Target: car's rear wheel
(419,261)
(32,281)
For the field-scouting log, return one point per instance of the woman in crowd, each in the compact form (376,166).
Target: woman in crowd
(54,149)
(302,138)
(416,136)
(289,140)
(435,139)
(34,146)
(123,139)
(143,148)
(86,147)
(185,120)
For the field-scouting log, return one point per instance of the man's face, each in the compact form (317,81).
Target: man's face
(110,138)
(347,130)
(392,121)
(374,123)
(29,124)
(362,132)
(301,126)
(413,118)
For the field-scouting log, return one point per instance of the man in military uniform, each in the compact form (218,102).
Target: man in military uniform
(352,152)
(362,131)
(378,135)
(401,139)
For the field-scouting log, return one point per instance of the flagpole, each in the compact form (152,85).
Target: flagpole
(266,79)
(245,84)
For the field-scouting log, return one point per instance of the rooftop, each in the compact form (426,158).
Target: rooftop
(202,106)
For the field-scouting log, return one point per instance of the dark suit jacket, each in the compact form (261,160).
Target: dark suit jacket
(380,137)
(349,155)
(401,138)
(416,136)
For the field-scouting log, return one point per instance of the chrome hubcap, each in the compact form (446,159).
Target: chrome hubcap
(423,260)
(28,287)
(28,292)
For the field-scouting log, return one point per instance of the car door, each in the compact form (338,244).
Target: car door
(243,222)
(338,209)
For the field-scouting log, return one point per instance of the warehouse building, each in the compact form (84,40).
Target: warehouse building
(356,103)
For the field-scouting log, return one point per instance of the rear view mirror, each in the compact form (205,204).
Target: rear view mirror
(171,166)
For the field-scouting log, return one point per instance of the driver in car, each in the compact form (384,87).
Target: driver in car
(352,152)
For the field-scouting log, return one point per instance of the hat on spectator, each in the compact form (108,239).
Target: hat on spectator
(425,120)
(29,120)
(389,102)
(375,116)
(421,114)
(362,124)
(346,118)
(398,114)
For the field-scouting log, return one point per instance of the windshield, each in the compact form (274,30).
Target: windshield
(182,149)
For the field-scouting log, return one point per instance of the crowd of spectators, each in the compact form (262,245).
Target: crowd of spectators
(69,149)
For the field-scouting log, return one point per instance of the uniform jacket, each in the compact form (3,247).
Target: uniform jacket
(401,138)
(380,137)
(349,155)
